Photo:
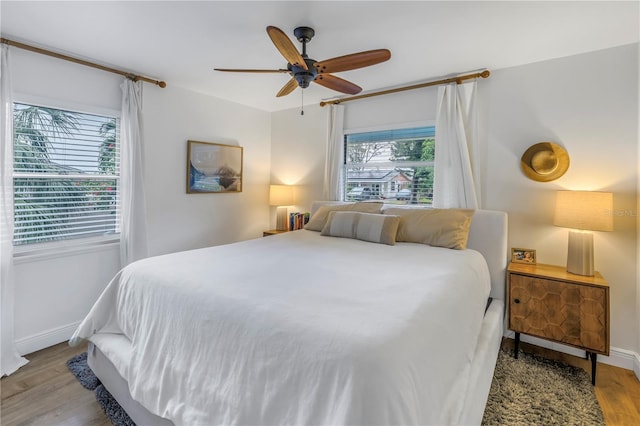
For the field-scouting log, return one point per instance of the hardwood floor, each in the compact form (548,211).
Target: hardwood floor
(44,392)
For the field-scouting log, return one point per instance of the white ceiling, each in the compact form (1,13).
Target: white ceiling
(181,42)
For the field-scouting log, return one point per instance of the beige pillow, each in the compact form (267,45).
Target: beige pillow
(447,228)
(319,218)
(375,228)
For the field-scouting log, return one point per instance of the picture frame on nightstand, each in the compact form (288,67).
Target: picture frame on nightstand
(523,255)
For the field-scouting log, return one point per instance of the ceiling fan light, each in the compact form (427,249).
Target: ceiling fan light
(304,79)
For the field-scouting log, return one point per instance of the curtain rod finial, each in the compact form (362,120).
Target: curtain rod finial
(485,74)
(162,84)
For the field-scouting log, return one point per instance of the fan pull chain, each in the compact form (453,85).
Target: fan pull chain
(302,102)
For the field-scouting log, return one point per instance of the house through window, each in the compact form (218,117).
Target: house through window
(66,174)
(393,165)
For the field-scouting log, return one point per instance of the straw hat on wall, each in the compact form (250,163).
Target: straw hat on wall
(544,161)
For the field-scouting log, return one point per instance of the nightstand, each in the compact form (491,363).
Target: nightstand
(272,232)
(548,302)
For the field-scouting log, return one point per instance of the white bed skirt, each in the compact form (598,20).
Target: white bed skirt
(119,389)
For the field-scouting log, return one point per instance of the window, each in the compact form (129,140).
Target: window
(394,165)
(66,174)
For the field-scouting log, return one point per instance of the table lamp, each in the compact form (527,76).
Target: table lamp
(583,211)
(281,196)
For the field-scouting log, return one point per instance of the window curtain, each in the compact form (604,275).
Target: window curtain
(10,359)
(456,183)
(133,227)
(332,189)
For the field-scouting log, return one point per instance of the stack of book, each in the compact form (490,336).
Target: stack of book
(297,220)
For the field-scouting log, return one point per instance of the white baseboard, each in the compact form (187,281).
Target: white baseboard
(618,357)
(46,339)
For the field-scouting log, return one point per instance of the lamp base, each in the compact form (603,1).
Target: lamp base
(580,253)
(282,220)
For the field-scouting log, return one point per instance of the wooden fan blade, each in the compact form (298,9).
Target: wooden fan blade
(288,88)
(286,47)
(353,61)
(245,70)
(336,83)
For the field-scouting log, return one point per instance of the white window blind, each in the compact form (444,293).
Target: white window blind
(394,165)
(66,174)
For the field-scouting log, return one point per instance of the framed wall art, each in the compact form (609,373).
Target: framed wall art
(213,168)
(523,255)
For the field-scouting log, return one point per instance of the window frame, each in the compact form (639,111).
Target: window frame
(381,128)
(64,247)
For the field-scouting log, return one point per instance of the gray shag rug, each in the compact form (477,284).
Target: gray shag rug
(79,367)
(532,390)
(529,390)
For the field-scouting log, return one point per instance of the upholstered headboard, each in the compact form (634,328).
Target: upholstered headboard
(487,235)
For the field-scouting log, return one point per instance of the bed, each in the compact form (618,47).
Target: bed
(304,328)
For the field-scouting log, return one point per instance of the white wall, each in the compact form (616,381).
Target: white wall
(298,156)
(587,103)
(54,292)
(392,110)
(181,221)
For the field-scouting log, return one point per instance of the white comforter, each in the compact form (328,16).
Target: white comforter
(298,329)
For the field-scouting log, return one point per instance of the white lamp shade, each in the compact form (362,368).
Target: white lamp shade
(583,211)
(281,195)
(586,210)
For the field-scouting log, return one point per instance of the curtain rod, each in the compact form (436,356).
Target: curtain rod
(459,79)
(132,76)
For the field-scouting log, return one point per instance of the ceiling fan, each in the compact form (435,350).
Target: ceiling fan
(304,70)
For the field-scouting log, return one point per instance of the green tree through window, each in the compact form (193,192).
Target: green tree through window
(422,177)
(65,174)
